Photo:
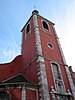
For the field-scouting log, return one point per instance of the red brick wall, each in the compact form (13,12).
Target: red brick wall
(54,54)
(10,69)
(31,94)
(28,44)
(15,94)
(31,72)
(29,53)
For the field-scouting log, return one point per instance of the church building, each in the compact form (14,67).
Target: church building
(40,72)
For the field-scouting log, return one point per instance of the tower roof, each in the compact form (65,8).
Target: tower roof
(36,12)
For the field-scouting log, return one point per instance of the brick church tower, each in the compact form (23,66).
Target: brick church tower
(40,72)
(47,66)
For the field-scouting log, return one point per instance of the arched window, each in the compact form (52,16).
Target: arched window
(4,95)
(45,25)
(27,28)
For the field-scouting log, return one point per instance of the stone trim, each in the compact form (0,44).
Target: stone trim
(23,93)
(66,95)
(66,68)
(64,90)
(41,66)
(53,60)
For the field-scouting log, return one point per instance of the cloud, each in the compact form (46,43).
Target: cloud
(7,55)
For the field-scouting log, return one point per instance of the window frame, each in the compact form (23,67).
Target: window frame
(58,80)
(27,33)
(51,47)
(58,69)
(29,28)
(48,30)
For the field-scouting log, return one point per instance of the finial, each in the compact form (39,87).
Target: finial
(35,11)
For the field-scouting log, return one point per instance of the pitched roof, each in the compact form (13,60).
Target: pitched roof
(16,79)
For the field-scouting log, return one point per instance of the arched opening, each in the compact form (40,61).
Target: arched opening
(45,25)
(27,28)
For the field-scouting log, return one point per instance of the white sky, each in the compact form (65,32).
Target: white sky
(66,26)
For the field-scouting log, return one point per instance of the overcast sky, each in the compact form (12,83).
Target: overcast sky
(15,13)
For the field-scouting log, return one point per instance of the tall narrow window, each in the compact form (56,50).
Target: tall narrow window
(27,28)
(45,25)
(56,71)
(57,78)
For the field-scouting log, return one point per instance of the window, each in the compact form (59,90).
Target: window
(59,86)
(50,45)
(4,95)
(27,28)
(56,71)
(45,25)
